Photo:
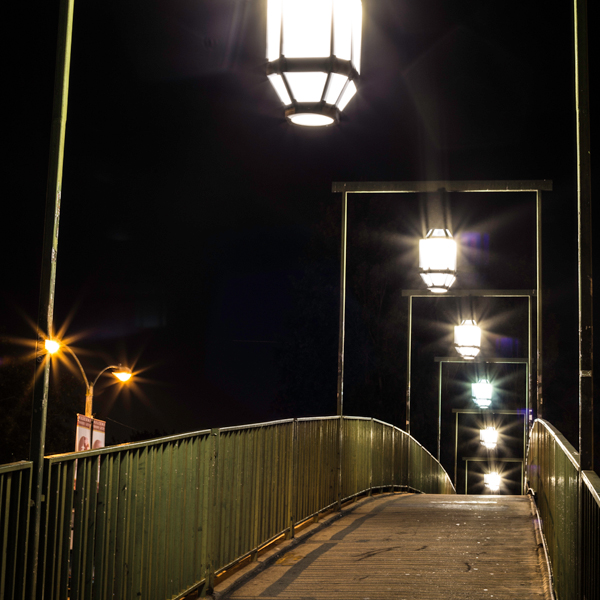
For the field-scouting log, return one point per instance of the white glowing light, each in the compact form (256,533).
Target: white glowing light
(489,437)
(482,393)
(437,260)
(52,346)
(467,339)
(492,481)
(311,71)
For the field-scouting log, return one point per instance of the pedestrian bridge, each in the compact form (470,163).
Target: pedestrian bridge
(175,516)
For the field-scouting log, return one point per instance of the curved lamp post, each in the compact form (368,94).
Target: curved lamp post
(121,373)
(313,54)
(437,260)
(467,339)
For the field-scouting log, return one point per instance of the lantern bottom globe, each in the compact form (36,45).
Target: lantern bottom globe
(310,119)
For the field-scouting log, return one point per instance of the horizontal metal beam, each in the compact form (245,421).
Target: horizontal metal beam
(479,411)
(415,187)
(478,459)
(452,359)
(465,293)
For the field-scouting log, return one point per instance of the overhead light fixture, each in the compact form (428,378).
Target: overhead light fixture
(122,373)
(489,437)
(467,339)
(51,346)
(437,260)
(482,393)
(313,56)
(492,481)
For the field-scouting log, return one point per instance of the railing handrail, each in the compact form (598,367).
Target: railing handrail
(562,441)
(592,482)
(15,466)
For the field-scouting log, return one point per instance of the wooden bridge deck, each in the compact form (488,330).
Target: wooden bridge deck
(414,547)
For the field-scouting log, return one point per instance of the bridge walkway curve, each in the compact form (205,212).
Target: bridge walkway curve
(414,547)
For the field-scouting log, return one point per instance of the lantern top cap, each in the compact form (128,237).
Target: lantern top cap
(438,233)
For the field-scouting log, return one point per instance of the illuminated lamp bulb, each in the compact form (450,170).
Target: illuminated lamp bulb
(492,481)
(52,346)
(313,77)
(482,393)
(467,339)
(489,437)
(122,373)
(437,260)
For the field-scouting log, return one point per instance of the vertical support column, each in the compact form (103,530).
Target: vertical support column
(408,367)
(342,327)
(293,480)
(538,362)
(439,440)
(584,255)
(584,238)
(340,460)
(456,454)
(48,277)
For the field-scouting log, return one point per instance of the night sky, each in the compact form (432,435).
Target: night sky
(199,237)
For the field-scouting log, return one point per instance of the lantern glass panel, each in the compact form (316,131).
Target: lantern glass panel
(277,82)
(342,29)
(335,87)
(482,390)
(307,28)
(492,481)
(467,334)
(307,87)
(347,95)
(356,33)
(273,29)
(489,437)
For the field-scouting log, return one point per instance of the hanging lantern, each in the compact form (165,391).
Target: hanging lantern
(467,339)
(313,54)
(492,481)
(482,393)
(489,437)
(437,260)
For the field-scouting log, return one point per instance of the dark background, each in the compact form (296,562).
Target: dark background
(199,238)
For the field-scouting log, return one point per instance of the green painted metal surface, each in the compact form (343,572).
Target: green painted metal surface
(162,518)
(568,502)
(15,494)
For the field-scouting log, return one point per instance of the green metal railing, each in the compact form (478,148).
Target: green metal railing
(568,502)
(161,518)
(15,493)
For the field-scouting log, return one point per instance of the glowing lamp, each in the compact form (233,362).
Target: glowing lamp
(467,339)
(492,481)
(489,437)
(313,56)
(482,393)
(122,373)
(52,346)
(437,260)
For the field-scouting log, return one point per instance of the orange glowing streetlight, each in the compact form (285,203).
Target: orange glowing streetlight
(122,373)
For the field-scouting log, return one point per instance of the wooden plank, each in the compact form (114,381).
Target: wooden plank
(416,547)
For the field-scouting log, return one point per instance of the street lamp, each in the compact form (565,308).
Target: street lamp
(492,481)
(122,373)
(467,339)
(437,260)
(489,437)
(482,393)
(313,54)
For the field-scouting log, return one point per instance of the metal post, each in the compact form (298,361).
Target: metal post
(456,453)
(48,276)
(584,239)
(409,359)
(538,362)
(439,440)
(342,327)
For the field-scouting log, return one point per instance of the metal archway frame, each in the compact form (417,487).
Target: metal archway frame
(420,187)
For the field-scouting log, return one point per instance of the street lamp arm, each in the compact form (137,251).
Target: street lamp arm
(104,371)
(85,379)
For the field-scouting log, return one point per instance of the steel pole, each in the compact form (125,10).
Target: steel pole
(408,368)
(48,276)
(584,238)
(538,362)
(342,325)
